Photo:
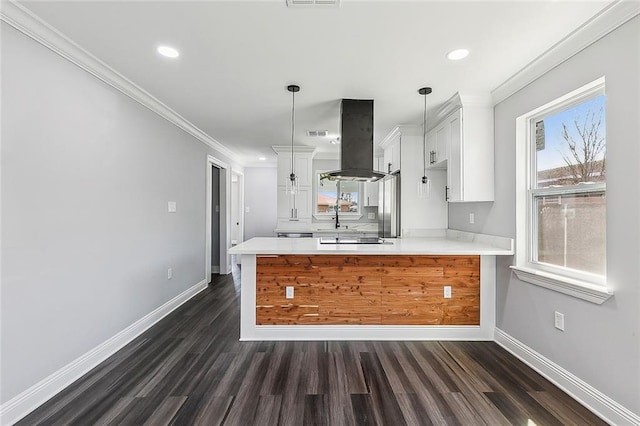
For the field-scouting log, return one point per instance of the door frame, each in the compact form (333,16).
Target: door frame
(240,176)
(225,215)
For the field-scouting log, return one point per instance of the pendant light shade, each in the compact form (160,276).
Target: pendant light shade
(293,181)
(424,185)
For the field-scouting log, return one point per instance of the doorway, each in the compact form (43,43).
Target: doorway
(217,218)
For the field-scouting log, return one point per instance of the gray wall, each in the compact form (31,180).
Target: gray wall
(601,344)
(260,193)
(86,238)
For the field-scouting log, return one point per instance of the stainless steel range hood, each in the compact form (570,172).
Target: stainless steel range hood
(356,143)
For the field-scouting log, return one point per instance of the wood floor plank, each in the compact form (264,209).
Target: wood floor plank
(315,410)
(268,411)
(384,402)
(191,368)
(168,408)
(244,405)
(412,410)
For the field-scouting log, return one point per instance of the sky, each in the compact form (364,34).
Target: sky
(550,157)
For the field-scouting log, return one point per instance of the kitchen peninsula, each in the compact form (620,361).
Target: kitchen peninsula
(440,287)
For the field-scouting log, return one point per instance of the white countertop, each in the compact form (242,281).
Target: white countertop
(454,243)
(358,228)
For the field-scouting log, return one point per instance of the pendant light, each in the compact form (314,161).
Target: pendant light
(292,183)
(424,185)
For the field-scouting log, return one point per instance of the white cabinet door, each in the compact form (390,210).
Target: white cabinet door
(302,168)
(443,136)
(370,197)
(455,163)
(470,173)
(395,155)
(294,206)
(302,204)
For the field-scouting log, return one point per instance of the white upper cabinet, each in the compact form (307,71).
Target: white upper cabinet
(438,146)
(294,207)
(392,149)
(464,145)
(302,167)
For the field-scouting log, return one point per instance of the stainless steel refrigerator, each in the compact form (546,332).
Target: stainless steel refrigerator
(389,206)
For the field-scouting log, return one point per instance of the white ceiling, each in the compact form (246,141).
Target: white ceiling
(237,57)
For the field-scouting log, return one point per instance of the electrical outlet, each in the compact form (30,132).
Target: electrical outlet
(371,215)
(247,210)
(447,292)
(289,292)
(559,321)
(172,206)
(472,218)
(169,273)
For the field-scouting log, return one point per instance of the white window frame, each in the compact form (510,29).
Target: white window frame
(346,216)
(579,284)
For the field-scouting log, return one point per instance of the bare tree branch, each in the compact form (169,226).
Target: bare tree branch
(582,158)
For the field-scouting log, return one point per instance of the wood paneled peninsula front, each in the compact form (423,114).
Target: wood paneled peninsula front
(410,288)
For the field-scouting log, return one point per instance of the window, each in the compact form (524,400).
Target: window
(561,197)
(331,193)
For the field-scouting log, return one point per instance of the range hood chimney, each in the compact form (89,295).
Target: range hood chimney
(356,143)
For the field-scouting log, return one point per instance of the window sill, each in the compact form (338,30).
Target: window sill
(572,287)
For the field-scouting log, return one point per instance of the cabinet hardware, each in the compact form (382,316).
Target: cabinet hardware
(446,193)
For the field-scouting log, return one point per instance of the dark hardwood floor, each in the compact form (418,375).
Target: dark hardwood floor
(190,368)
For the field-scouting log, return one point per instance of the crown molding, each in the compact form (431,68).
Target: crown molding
(31,25)
(460,100)
(610,18)
(399,130)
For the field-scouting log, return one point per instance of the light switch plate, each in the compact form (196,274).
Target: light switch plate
(172,207)
(559,321)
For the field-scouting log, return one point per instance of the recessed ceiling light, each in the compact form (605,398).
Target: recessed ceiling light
(458,54)
(262,158)
(168,51)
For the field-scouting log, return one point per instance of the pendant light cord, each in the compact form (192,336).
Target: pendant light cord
(424,137)
(293,127)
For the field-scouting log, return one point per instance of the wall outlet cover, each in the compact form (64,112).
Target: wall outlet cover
(172,206)
(289,292)
(371,215)
(447,292)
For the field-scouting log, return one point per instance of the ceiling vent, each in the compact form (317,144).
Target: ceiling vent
(307,3)
(317,133)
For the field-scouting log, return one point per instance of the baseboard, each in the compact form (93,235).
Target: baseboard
(24,403)
(600,404)
(215,269)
